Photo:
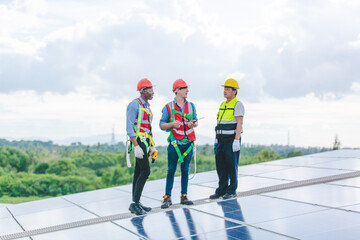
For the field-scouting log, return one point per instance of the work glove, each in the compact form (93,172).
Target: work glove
(152,150)
(236,145)
(139,153)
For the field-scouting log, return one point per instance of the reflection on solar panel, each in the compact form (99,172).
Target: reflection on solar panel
(310,197)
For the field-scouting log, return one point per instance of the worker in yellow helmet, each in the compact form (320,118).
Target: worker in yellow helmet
(228,140)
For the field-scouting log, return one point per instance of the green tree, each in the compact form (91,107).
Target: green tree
(267,155)
(294,154)
(15,158)
(41,168)
(61,168)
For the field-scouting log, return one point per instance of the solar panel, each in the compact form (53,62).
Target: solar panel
(307,209)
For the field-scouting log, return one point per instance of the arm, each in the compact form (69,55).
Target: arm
(239,122)
(164,124)
(175,124)
(131,113)
(194,123)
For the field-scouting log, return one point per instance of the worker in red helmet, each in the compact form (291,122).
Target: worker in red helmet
(138,127)
(179,119)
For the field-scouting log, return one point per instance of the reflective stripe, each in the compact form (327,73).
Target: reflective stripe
(226,132)
(227,122)
(190,108)
(145,110)
(145,129)
(182,132)
(143,121)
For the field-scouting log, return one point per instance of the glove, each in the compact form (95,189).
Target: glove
(139,153)
(152,150)
(236,145)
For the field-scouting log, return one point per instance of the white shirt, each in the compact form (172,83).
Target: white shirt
(239,109)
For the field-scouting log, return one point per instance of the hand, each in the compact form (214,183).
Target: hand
(191,124)
(139,153)
(236,145)
(176,124)
(152,150)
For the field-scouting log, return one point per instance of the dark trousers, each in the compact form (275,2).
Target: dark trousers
(227,163)
(172,165)
(141,174)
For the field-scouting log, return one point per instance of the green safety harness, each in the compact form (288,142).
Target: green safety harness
(171,137)
(143,136)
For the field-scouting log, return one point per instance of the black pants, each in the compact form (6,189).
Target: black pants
(227,163)
(141,174)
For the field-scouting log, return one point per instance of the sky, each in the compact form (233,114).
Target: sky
(68,68)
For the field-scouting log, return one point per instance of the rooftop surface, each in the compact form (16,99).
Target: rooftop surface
(310,197)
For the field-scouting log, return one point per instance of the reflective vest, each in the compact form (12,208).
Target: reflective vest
(185,117)
(226,121)
(143,119)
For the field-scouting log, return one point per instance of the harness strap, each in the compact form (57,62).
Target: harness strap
(146,135)
(171,138)
(177,149)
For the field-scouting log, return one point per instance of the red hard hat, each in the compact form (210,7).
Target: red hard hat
(144,83)
(179,83)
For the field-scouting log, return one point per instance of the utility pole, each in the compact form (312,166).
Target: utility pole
(113,142)
(288,138)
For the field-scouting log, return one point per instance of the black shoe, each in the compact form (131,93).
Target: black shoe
(146,209)
(166,202)
(215,196)
(184,200)
(136,209)
(229,195)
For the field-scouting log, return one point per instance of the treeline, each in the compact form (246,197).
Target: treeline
(49,145)
(52,170)
(247,149)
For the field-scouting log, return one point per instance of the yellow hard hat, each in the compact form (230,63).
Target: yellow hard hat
(231,83)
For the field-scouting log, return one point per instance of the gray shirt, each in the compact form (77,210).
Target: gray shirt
(239,109)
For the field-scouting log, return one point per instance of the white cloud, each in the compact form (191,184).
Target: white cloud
(356,43)
(81,29)
(355,87)
(311,121)
(285,54)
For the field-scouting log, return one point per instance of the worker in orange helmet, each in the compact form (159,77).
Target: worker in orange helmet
(179,119)
(138,127)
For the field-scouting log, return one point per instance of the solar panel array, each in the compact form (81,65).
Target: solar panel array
(313,211)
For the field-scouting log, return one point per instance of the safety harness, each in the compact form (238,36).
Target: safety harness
(171,137)
(142,135)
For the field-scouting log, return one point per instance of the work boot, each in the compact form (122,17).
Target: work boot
(166,202)
(215,196)
(229,195)
(136,209)
(146,209)
(184,200)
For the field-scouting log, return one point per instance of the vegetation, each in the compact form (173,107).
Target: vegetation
(31,170)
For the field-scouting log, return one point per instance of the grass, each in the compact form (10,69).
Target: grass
(15,200)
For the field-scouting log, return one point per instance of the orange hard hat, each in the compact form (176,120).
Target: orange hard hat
(144,83)
(179,84)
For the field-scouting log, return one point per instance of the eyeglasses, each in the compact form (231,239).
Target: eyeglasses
(149,90)
(181,88)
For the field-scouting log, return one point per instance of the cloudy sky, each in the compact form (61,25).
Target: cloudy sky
(69,68)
